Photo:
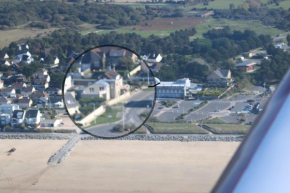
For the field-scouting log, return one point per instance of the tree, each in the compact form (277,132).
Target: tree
(288,39)
(232,6)
(126,63)
(56,79)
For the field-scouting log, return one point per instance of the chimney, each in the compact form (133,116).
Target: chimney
(154,55)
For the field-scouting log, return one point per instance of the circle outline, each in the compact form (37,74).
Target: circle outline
(139,57)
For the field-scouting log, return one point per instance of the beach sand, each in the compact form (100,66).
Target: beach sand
(114,166)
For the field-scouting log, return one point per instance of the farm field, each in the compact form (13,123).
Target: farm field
(16,34)
(159,26)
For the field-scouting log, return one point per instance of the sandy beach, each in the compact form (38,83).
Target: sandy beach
(114,166)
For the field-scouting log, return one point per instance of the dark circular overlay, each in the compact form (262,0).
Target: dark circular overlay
(109,91)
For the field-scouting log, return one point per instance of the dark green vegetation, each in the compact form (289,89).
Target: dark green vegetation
(217,46)
(47,14)
(55,14)
(274,69)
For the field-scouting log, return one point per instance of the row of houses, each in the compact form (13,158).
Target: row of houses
(12,115)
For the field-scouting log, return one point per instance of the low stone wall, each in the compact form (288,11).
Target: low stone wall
(90,117)
(135,70)
(144,137)
(122,98)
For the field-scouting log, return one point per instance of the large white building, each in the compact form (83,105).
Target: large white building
(177,89)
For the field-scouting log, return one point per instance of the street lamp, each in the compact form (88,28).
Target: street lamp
(264,88)
(123,112)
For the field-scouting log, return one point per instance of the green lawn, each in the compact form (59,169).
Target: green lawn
(141,130)
(241,25)
(176,128)
(228,128)
(215,121)
(104,118)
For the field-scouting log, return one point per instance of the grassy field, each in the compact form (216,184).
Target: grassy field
(215,121)
(228,128)
(212,23)
(104,118)
(8,36)
(178,128)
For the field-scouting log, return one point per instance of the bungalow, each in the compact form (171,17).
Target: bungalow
(32,117)
(220,77)
(71,103)
(26,91)
(18,86)
(50,123)
(8,92)
(247,66)
(99,89)
(24,103)
(5,119)
(17,117)
(53,91)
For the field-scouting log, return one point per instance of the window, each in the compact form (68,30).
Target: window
(101,88)
(92,90)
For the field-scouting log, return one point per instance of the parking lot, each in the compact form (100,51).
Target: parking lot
(228,110)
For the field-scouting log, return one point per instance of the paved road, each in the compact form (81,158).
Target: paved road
(136,105)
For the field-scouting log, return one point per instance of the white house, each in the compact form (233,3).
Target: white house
(5,119)
(67,83)
(50,123)
(71,103)
(17,117)
(32,117)
(99,89)
(177,89)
